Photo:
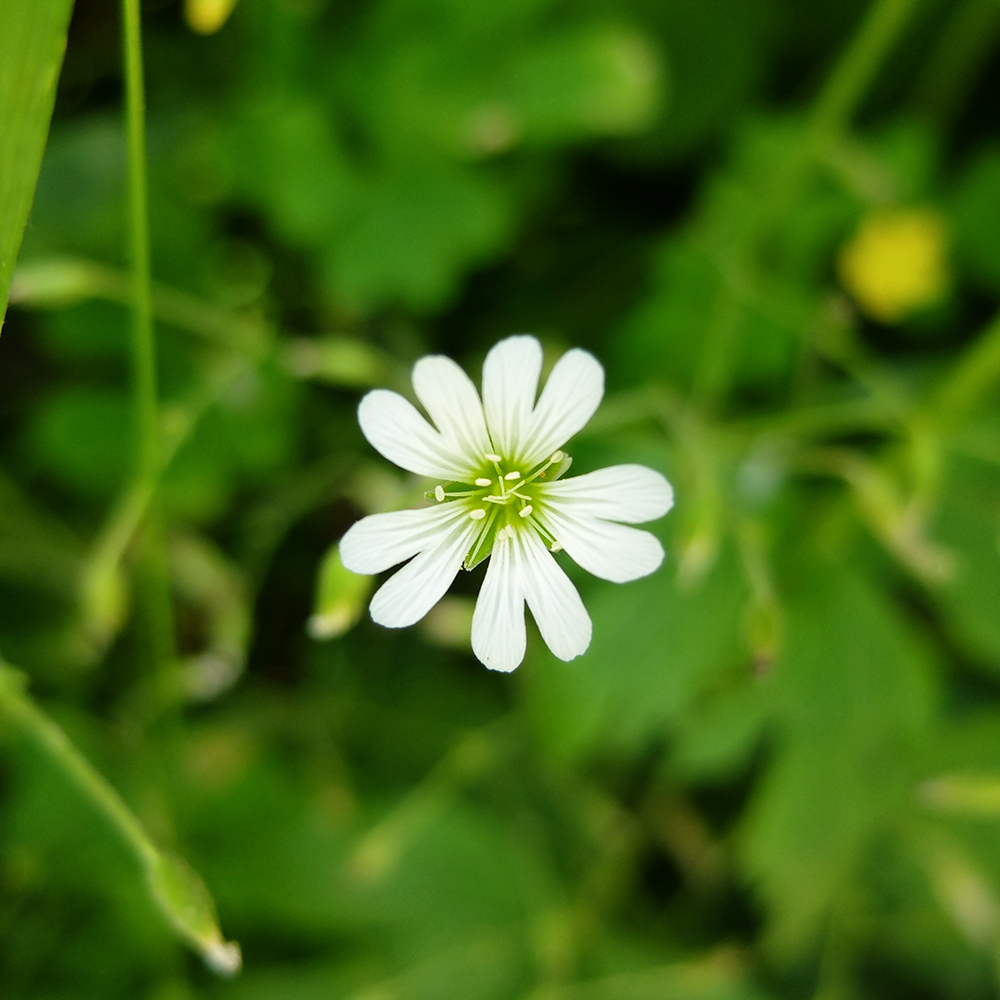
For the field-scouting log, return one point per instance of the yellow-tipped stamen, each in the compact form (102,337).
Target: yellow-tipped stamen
(554,460)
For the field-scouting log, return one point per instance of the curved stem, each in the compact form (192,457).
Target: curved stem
(853,74)
(175,889)
(17,707)
(976,373)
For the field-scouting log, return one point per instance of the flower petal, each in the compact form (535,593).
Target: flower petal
(409,594)
(554,602)
(570,397)
(395,428)
(611,551)
(510,382)
(450,398)
(631,493)
(498,632)
(375,543)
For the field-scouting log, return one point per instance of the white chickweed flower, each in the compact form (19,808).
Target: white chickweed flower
(498,463)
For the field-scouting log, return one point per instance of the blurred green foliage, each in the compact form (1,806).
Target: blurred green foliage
(776,772)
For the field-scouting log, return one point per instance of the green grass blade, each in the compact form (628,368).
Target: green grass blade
(32,42)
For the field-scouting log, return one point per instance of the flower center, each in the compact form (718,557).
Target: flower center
(502,499)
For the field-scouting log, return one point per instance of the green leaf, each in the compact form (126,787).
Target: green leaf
(852,696)
(32,43)
(656,646)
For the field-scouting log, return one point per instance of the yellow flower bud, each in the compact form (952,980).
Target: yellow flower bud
(207,16)
(895,263)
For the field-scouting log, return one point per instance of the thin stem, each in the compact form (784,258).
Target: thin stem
(956,62)
(143,343)
(976,373)
(174,888)
(156,585)
(853,74)
(57,282)
(16,706)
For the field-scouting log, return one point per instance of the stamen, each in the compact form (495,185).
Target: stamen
(483,482)
(478,514)
(493,458)
(558,457)
(493,499)
(470,560)
(555,547)
(513,475)
(439,493)
(525,511)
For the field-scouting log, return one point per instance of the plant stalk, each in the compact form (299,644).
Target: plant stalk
(156,583)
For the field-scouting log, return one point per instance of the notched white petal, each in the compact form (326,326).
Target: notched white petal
(498,631)
(394,427)
(570,398)
(610,551)
(380,541)
(629,493)
(510,382)
(449,396)
(409,594)
(554,602)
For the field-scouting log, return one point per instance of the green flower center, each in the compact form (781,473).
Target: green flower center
(503,498)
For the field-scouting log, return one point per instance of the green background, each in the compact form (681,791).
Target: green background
(776,772)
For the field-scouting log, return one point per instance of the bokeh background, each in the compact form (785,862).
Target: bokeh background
(776,773)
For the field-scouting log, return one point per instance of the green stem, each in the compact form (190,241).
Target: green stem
(157,584)
(853,74)
(174,888)
(976,373)
(62,281)
(16,706)
(957,60)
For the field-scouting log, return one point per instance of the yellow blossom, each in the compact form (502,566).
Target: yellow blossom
(207,16)
(895,263)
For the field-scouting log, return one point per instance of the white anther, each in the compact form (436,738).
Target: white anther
(493,458)
(439,493)
(506,532)
(557,457)
(478,514)
(483,482)
(513,475)
(555,547)
(526,510)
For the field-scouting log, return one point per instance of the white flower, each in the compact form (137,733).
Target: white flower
(497,462)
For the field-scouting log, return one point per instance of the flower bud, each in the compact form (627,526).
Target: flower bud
(340,598)
(183,899)
(207,16)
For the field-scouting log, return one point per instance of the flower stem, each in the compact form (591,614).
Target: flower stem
(973,376)
(853,74)
(156,585)
(175,889)
(18,708)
